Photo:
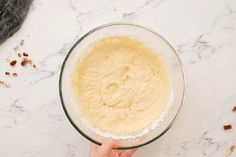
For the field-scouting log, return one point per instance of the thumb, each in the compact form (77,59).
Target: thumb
(107,146)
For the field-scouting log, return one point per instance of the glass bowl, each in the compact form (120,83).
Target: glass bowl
(151,39)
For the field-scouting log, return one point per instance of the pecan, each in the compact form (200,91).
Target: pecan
(13,63)
(227,127)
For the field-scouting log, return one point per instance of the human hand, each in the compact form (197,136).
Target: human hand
(106,150)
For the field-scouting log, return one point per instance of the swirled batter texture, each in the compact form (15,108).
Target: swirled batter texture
(120,84)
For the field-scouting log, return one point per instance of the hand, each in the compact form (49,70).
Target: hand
(106,150)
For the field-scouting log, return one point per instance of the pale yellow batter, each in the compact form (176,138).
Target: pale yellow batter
(120,84)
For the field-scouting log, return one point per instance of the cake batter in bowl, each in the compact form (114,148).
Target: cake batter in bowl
(122,81)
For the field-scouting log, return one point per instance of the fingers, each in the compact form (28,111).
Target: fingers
(106,149)
(109,144)
(128,153)
(114,154)
(119,151)
(94,147)
(93,150)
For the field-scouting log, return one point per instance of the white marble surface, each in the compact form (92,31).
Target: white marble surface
(32,122)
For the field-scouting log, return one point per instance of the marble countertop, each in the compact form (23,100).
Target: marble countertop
(32,122)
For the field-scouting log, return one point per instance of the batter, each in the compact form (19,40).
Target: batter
(120,84)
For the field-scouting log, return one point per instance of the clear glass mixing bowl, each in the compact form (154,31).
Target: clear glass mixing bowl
(153,40)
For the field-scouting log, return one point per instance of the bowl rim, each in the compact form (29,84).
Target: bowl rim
(62,71)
